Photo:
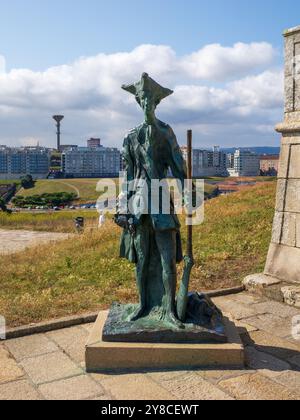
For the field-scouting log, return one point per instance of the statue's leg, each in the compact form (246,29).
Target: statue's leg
(166,243)
(141,242)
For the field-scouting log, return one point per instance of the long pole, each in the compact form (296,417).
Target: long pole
(182,297)
(189,251)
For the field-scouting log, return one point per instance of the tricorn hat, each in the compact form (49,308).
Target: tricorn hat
(146,84)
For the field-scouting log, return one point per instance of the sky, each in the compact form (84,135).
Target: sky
(223,59)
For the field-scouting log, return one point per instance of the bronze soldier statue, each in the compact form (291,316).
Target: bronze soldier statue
(152,241)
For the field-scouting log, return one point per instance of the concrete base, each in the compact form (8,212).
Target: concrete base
(109,357)
(283,263)
(259,281)
(273,288)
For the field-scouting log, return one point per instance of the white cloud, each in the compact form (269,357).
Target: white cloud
(215,62)
(248,94)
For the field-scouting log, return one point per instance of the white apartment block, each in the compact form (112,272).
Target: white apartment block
(243,163)
(208,163)
(89,162)
(16,162)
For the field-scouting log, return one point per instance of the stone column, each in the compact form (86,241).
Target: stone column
(283,262)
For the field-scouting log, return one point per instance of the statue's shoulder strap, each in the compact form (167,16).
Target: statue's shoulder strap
(133,134)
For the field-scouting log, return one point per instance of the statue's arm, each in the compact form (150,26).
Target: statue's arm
(122,206)
(176,160)
(128,159)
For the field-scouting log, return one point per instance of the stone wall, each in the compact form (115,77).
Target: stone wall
(284,255)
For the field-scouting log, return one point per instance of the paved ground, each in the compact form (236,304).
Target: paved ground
(51,366)
(12,241)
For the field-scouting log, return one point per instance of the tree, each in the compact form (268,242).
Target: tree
(27,182)
(3,206)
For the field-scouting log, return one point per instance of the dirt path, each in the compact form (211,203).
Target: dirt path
(73,187)
(13,241)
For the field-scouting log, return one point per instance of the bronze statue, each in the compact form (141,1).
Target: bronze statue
(152,240)
(155,244)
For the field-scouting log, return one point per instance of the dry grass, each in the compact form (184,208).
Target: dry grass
(62,221)
(86,274)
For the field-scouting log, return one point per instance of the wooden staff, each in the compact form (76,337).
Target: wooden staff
(189,251)
(182,297)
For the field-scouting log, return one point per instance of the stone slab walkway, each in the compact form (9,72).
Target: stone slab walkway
(12,241)
(51,366)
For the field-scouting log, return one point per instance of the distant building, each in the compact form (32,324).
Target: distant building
(243,163)
(269,165)
(208,163)
(89,162)
(94,143)
(16,162)
(64,147)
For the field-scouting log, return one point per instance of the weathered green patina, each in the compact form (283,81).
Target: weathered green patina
(152,241)
(155,246)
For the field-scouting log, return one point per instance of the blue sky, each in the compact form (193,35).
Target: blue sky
(36,35)
(42,33)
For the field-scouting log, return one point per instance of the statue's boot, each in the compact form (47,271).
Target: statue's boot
(138,314)
(171,319)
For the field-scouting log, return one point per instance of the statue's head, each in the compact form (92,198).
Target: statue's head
(148,94)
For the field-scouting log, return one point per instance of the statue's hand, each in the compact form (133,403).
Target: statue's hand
(121,221)
(126,222)
(188,262)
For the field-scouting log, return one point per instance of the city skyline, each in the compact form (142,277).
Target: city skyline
(227,79)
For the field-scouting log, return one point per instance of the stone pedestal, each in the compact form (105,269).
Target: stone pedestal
(113,357)
(283,262)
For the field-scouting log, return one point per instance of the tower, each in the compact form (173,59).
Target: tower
(58,119)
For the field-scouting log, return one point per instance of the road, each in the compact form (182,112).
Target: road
(13,241)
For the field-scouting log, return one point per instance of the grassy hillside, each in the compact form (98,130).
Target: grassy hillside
(62,221)
(85,273)
(84,188)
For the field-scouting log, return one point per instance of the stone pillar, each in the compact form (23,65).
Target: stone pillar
(283,262)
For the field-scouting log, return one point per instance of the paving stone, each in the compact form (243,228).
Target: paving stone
(34,345)
(243,327)
(192,386)
(50,367)
(290,379)
(247,298)
(99,377)
(19,391)
(278,347)
(72,341)
(135,387)
(258,387)
(236,309)
(78,388)
(167,376)
(276,308)
(271,324)
(9,370)
(216,376)
(87,327)
(267,365)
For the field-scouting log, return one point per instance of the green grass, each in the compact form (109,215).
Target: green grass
(86,188)
(5,182)
(85,273)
